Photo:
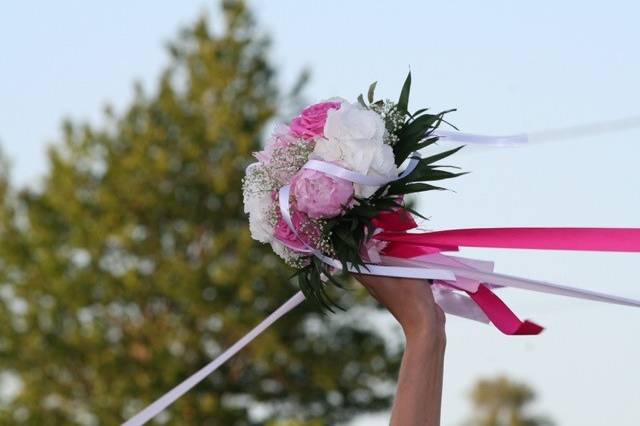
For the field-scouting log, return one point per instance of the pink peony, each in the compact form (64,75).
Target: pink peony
(310,123)
(320,195)
(306,229)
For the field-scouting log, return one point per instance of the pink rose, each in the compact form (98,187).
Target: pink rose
(320,195)
(310,123)
(307,231)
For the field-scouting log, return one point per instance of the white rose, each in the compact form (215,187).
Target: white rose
(354,138)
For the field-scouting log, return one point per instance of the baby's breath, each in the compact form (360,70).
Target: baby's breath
(298,261)
(323,240)
(287,160)
(258,179)
(393,119)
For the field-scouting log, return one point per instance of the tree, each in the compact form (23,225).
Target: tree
(502,402)
(131,266)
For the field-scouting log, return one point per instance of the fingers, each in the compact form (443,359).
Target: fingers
(409,300)
(392,290)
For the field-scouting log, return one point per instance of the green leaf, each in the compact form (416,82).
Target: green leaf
(333,279)
(411,136)
(411,188)
(403,101)
(317,284)
(346,237)
(426,143)
(305,285)
(371,91)
(441,155)
(402,152)
(361,101)
(439,175)
(418,127)
(418,112)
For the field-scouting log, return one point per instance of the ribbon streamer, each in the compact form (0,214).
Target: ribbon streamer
(170,397)
(454,136)
(541,136)
(500,314)
(581,239)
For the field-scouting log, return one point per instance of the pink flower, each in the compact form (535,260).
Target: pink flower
(307,231)
(280,139)
(371,250)
(310,123)
(320,195)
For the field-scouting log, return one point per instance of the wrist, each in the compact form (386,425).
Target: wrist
(431,338)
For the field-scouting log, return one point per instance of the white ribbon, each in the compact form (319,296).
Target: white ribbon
(355,177)
(170,397)
(455,136)
(546,135)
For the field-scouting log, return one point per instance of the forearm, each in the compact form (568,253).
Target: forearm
(419,393)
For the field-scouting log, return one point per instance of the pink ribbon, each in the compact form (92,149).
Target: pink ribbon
(424,248)
(583,239)
(500,315)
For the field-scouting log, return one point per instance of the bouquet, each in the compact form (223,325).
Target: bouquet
(327,193)
(324,184)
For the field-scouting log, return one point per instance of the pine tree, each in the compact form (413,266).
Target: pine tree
(131,265)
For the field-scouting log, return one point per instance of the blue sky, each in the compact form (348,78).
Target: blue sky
(507,66)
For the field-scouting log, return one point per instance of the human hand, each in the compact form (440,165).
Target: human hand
(411,302)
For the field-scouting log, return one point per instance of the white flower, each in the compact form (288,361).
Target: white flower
(259,208)
(281,250)
(258,204)
(354,138)
(353,122)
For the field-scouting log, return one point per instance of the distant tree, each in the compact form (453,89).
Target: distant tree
(130,265)
(503,402)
